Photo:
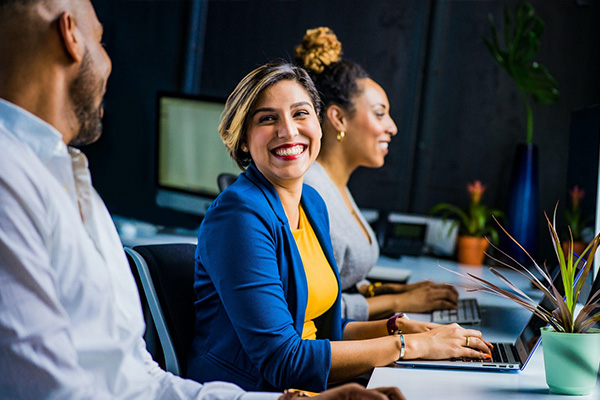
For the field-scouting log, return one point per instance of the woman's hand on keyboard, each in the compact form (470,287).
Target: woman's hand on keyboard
(447,341)
(426,298)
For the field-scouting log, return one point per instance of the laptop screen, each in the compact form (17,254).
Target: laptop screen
(593,290)
(529,338)
(595,286)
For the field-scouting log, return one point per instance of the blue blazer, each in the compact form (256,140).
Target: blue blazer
(252,293)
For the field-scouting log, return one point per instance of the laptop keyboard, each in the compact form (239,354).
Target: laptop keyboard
(504,353)
(466,313)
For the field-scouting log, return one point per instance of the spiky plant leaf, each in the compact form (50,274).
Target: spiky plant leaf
(562,317)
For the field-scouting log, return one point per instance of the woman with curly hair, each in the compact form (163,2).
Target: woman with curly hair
(357,129)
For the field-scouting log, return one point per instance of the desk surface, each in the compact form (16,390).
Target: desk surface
(502,320)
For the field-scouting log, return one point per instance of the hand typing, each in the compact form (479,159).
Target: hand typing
(425,297)
(447,341)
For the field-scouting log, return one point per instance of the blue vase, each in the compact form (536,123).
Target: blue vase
(523,203)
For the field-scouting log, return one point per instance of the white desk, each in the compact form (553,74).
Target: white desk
(502,320)
(135,233)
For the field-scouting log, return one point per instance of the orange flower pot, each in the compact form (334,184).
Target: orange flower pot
(471,249)
(578,247)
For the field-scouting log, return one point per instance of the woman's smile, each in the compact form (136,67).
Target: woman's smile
(289,151)
(284,135)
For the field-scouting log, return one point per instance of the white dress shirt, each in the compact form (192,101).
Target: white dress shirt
(71,323)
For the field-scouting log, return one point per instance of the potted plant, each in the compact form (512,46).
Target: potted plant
(576,222)
(571,347)
(516,55)
(474,225)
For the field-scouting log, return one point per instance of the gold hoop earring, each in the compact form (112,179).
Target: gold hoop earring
(341,135)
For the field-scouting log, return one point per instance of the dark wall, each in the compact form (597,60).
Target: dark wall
(459,115)
(388,39)
(146,41)
(473,116)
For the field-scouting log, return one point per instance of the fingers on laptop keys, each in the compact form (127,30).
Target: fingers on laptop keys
(477,347)
(450,341)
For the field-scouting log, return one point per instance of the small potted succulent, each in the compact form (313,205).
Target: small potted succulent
(576,222)
(571,346)
(474,225)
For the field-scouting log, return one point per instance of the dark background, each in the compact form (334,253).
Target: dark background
(458,113)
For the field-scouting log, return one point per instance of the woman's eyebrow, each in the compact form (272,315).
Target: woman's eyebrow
(270,109)
(263,109)
(301,103)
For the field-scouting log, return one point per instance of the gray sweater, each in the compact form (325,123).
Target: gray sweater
(354,254)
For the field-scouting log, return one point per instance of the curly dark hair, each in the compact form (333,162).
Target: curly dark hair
(336,79)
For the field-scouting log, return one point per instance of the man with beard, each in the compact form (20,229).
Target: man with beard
(71,323)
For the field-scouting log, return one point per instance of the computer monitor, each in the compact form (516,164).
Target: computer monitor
(189,152)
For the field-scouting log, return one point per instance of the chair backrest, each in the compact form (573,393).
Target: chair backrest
(225,179)
(166,275)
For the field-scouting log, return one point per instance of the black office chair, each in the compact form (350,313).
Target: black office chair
(165,277)
(225,179)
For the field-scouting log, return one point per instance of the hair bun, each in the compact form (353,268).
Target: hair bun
(319,49)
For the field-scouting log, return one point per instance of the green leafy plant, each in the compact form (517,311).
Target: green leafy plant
(522,32)
(475,220)
(576,221)
(562,318)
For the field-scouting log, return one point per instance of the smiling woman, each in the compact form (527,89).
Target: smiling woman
(357,131)
(283,137)
(267,286)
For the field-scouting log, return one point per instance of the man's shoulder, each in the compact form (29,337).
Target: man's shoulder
(15,155)
(21,171)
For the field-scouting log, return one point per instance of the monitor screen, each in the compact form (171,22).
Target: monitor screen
(190,153)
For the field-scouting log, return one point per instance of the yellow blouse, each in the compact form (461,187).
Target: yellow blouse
(322,284)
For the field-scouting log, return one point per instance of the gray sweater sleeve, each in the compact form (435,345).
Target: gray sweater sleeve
(355,255)
(355,306)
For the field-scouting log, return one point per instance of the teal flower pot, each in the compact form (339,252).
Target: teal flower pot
(571,361)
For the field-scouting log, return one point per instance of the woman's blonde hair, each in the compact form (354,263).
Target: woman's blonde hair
(234,121)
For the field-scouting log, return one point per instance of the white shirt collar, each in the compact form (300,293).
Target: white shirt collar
(47,143)
(42,137)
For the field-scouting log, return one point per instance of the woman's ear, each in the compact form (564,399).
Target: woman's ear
(337,117)
(70,37)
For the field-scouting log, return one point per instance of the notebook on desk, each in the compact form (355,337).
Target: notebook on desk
(505,356)
(391,274)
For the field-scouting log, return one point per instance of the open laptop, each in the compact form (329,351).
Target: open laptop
(505,356)
(467,313)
